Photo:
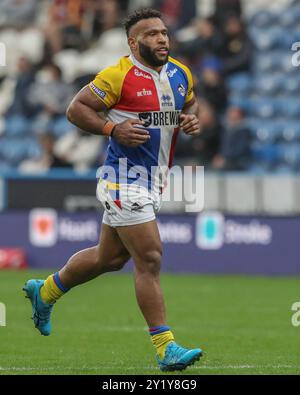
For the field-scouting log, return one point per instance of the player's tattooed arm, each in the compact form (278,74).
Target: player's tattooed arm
(189,118)
(84,113)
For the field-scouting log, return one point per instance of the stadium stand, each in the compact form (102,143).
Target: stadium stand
(241,61)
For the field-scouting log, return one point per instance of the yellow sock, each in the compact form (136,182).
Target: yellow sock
(160,342)
(50,292)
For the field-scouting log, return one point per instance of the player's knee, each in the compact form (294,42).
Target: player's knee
(150,262)
(118,263)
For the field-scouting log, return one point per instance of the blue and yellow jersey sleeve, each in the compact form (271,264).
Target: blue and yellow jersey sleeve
(190,88)
(190,92)
(107,85)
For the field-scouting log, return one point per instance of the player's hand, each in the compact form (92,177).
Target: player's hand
(190,124)
(126,133)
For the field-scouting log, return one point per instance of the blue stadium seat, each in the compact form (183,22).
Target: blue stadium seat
(4,166)
(240,101)
(16,125)
(263,19)
(240,83)
(288,18)
(267,131)
(264,107)
(290,85)
(282,168)
(258,168)
(269,61)
(291,131)
(267,39)
(13,151)
(60,126)
(289,154)
(33,148)
(289,107)
(267,153)
(267,83)
(288,38)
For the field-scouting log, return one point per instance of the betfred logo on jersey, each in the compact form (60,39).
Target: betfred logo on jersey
(43,227)
(144,92)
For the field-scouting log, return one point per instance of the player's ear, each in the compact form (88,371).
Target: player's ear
(132,43)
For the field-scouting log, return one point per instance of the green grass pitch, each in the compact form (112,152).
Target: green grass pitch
(242,323)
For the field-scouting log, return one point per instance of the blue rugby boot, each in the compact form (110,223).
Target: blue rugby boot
(178,358)
(41,311)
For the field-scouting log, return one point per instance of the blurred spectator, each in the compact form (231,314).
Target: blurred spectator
(211,85)
(48,158)
(200,39)
(136,4)
(176,13)
(58,93)
(201,149)
(236,51)
(106,16)
(49,109)
(235,142)
(224,8)
(17,13)
(23,80)
(65,21)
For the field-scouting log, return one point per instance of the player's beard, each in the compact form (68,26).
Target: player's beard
(150,56)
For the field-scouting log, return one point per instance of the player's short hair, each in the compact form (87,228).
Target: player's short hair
(138,15)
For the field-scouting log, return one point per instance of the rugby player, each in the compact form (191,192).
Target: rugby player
(146,98)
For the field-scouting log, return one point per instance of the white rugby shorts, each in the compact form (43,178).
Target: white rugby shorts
(127,204)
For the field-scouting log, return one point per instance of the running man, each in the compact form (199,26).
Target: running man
(147,97)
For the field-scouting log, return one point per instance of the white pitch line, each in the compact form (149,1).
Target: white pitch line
(234,367)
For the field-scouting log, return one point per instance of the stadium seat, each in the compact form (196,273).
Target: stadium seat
(265,130)
(240,101)
(267,153)
(33,149)
(282,168)
(266,83)
(288,18)
(67,60)
(288,38)
(263,107)
(288,107)
(4,166)
(13,151)
(289,154)
(263,19)
(61,126)
(291,131)
(267,39)
(31,42)
(258,168)
(290,85)
(268,61)
(113,39)
(16,125)
(240,83)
